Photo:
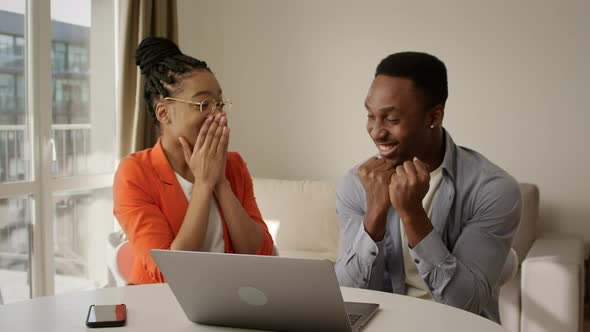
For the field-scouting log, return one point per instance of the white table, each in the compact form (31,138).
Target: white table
(154,308)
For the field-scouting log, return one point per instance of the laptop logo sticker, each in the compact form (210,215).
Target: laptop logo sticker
(252,296)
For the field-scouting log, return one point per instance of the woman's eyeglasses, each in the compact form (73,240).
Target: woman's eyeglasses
(208,105)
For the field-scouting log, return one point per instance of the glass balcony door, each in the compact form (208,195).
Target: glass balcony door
(57,145)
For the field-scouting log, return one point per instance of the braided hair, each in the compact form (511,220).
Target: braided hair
(161,61)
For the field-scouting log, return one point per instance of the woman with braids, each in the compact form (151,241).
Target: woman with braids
(187,192)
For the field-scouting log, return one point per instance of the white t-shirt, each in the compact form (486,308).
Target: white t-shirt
(214,238)
(415,286)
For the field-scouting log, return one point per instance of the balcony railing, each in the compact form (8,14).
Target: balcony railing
(71,145)
(14,156)
(71,149)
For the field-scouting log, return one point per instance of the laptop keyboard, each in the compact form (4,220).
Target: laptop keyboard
(353,318)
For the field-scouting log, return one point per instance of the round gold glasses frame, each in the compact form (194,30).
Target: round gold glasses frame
(206,105)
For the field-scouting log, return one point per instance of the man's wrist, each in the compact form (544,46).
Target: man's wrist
(407,215)
(377,209)
(416,224)
(374,223)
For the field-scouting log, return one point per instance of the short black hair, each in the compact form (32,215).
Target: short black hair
(427,72)
(160,60)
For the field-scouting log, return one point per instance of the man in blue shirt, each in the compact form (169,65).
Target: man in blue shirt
(425,217)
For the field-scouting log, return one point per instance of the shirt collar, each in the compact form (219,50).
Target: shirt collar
(449,161)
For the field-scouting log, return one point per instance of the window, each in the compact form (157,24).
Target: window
(77,58)
(19,49)
(58,57)
(55,175)
(7,93)
(5,45)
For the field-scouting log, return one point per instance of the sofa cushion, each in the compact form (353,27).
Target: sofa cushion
(301,216)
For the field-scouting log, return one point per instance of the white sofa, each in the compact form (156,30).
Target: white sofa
(546,295)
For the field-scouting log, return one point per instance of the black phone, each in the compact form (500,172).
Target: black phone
(106,315)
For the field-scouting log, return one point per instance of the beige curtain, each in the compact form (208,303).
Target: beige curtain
(137,20)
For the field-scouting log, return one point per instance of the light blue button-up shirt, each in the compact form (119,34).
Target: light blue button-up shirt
(475,216)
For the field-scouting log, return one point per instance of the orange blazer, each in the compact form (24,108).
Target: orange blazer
(150,207)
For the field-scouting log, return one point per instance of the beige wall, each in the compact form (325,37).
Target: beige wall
(298,72)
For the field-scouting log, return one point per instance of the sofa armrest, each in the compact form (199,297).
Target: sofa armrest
(553,285)
(509,304)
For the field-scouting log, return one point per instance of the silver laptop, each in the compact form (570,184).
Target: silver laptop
(260,292)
